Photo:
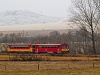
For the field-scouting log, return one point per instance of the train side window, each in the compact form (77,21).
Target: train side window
(14,47)
(26,47)
(47,46)
(43,46)
(40,46)
(22,47)
(33,46)
(53,46)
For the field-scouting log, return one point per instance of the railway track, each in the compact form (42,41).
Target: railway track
(49,54)
(47,57)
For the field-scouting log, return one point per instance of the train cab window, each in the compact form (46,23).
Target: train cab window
(13,46)
(63,46)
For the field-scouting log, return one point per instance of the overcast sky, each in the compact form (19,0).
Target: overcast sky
(56,8)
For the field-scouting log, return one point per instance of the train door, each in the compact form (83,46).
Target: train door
(33,48)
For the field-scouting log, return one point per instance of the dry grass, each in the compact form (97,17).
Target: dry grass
(51,58)
(50,68)
(91,71)
(46,65)
(4,57)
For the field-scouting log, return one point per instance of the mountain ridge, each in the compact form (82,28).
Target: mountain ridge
(24,17)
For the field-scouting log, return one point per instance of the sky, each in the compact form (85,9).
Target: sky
(53,8)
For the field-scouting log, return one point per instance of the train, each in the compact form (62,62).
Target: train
(38,48)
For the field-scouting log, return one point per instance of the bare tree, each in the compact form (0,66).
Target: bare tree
(86,14)
(54,37)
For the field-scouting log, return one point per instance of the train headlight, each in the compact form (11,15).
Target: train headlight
(65,49)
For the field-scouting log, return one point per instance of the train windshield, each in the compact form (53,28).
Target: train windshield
(64,46)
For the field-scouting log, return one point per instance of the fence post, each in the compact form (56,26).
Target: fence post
(5,67)
(93,65)
(38,66)
(88,58)
(9,56)
(68,66)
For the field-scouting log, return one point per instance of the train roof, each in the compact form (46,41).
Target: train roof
(18,44)
(46,44)
(37,44)
(49,44)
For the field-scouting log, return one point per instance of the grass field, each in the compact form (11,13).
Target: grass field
(50,68)
(46,65)
(88,71)
(57,65)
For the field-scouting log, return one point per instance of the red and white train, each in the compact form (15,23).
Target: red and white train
(38,48)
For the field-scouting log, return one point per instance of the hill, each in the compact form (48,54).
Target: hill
(24,17)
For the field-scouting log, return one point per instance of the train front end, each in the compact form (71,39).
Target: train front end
(64,48)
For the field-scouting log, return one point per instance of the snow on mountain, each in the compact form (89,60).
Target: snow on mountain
(24,17)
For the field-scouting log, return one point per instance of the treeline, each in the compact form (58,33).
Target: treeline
(79,42)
